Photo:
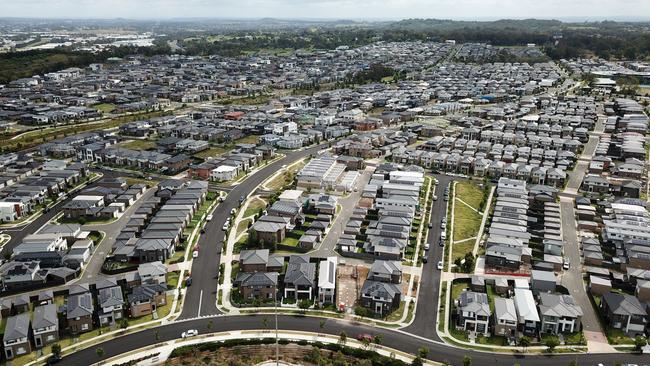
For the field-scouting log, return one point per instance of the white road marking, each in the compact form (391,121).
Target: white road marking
(200,300)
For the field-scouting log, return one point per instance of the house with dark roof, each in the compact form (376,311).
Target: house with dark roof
(380,297)
(271,229)
(386,271)
(559,313)
(288,209)
(259,261)
(45,325)
(257,285)
(146,298)
(300,278)
(624,312)
(79,312)
(111,305)
(16,336)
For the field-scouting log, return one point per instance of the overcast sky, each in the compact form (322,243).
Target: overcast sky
(339,9)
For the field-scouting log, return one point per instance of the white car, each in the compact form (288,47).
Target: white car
(209,218)
(443,235)
(439,266)
(566,265)
(426,246)
(233,211)
(190,333)
(225,226)
(195,254)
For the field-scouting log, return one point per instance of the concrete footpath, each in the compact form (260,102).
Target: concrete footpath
(165,349)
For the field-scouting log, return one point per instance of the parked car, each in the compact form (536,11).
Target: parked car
(233,211)
(209,218)
(195,254)
(443,235)
(189,333)
(430,225)
(441,242)
(424,259)
(53,359)
(439,266)
(225,226)
(426,246)
(567,264)
(188,282)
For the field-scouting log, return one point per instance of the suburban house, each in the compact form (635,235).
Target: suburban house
(380,297)
(45,325)
(16,336)
(300,278)
(146,298)
(560,313)
(527,316)
(271,229)
(259,261)
(505,317)
(386,271)
(327,280)
(257,285)
(80,311)
(473,312)
(624,312)
(111,305)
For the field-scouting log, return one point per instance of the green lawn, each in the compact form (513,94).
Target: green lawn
(211,152)
(243,226)
(285,177)
(491,295)
(457,287)
(105,107)
(254,206)
(616,336)
(250,139)
(466,222)
(397,314)
(172,279)
(469,192)
(234,271)
(138,145)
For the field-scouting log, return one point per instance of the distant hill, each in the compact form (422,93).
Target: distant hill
(447,24)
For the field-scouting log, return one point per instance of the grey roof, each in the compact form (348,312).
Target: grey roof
(17,327)
(80,305)
(257,279)
(260,256)
(386,267)
(383,290)
(45,316)
(300,274)
(111,296)
(505,309)
(145,292)
(106,283)
(270,224)
(475,302)
(559,306)
(623,304)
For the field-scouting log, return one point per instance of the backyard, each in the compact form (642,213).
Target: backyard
(467,218)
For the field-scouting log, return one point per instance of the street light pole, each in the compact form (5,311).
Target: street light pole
(277,345)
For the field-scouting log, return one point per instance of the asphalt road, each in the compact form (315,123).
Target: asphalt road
(392,338)
(425,320)
(200,298)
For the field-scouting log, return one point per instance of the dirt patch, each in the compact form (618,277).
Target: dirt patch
(350,280)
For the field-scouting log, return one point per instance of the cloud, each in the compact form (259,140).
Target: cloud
(355,9)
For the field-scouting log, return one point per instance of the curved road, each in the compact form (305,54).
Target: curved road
(392,338)
(201,297)
(200,302)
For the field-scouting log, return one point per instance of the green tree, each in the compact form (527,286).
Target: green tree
(467,361)
(639,343)
(524,341)
(551,343)
(423,352)
(378,339)
(417,361)
(304,304)
(343,337)
(56,350)
(124,323)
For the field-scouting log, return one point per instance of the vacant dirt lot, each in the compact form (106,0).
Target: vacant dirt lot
(350,280)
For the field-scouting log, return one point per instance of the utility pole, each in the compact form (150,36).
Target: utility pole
(277,345)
